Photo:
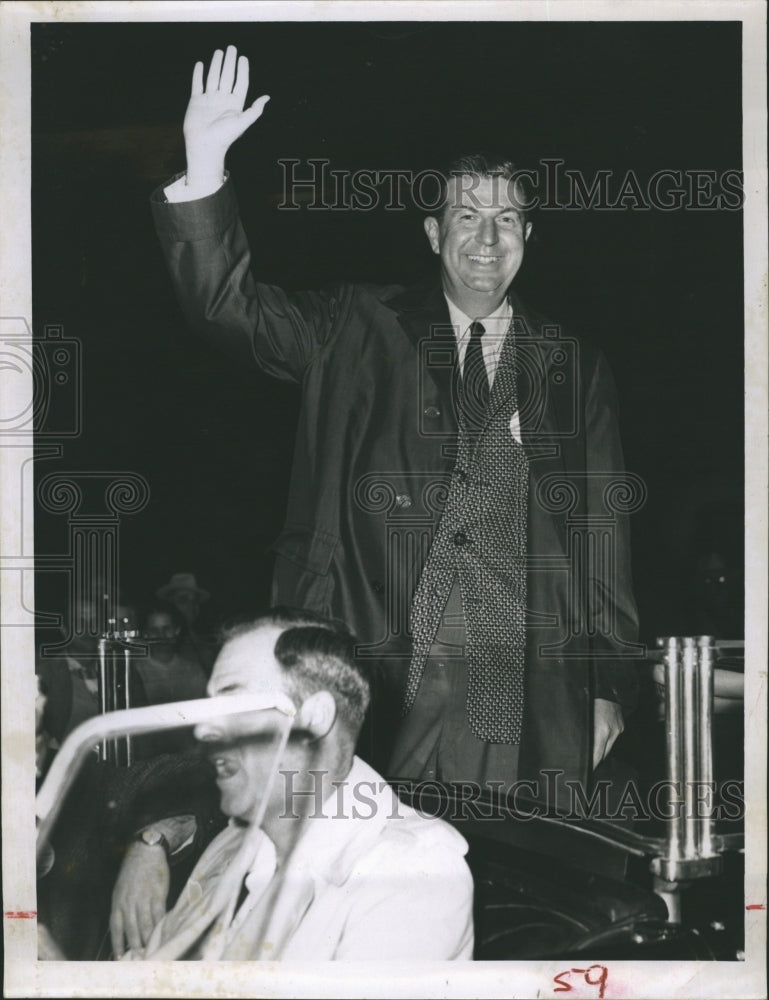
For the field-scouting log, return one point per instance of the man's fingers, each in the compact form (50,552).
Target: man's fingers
(256,109)
(241,81)
(158,911)
(47,948)
(599,746)
(146,922)
(197,79)
(614,735)
(132,933)
(227,78)
(214,71)
(116,933)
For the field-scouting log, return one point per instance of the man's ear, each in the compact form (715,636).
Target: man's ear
(317,714)
(432,228)
(527,230)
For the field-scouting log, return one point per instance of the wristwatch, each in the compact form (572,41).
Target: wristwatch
(153,838)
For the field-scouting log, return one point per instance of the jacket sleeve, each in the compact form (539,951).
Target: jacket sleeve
(208,257)
(611,495)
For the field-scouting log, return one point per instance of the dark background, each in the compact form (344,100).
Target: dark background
(660,292)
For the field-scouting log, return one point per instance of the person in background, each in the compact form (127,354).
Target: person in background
(183,592)
(167,674)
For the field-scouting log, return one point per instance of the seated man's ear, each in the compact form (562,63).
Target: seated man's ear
(317,714)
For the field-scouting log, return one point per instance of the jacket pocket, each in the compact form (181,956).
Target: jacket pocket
(310,549)
(302,575)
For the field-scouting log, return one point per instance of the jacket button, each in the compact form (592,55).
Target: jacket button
(460,538)
(403,500)
(432,411)
(377,586)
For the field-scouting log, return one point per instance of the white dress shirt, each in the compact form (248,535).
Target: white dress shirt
(496,325)
(179,190)
(370,879)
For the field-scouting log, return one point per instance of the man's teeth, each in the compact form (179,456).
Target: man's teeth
(483,259)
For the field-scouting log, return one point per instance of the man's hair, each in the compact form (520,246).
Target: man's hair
(487,164)
(315,654)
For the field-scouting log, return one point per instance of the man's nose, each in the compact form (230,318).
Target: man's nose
(208,732)
(488,232)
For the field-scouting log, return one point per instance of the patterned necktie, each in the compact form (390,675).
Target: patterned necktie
(482,537)
(475,380)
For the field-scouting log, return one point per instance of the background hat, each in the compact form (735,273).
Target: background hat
(181,581)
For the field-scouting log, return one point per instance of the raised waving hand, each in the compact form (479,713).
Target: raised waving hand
(216,114)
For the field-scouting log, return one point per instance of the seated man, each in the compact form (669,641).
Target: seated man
(340,868)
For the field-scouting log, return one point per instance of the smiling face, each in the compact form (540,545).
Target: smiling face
(480,238)
(246,665)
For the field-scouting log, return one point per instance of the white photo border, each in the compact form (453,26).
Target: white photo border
(24,976)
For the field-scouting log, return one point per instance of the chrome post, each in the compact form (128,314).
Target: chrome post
(103,691)
(114,699)
(706,650)
(115,686)
(689,850)
(690,716)
(675,831)
(127,699)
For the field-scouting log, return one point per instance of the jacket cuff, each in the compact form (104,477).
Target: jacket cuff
(200,219)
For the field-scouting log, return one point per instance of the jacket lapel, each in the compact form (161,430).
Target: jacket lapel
(537,392)
(526,364)
(424,316)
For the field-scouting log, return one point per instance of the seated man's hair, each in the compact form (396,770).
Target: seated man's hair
(487,164)
(316,654)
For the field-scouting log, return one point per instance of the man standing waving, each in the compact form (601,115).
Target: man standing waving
(434,435)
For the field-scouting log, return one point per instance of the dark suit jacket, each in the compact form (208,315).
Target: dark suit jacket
(376,444)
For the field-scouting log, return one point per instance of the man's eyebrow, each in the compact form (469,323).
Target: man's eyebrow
(473,208)
(226,688)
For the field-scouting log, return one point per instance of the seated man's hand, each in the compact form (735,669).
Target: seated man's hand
(47,949)
(139,897)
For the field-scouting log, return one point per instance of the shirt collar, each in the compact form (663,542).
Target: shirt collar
(461,321)
(349,821)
